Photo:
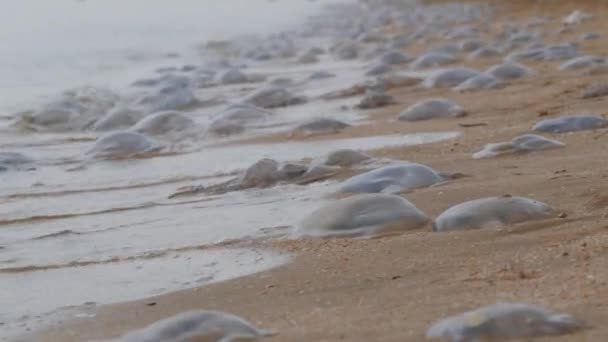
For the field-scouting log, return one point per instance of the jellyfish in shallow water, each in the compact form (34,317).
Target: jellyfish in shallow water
(365,215)
(168,98)
(198,325)
(165,123)
(233,76)
(73,110)
(124,144)
(117,118)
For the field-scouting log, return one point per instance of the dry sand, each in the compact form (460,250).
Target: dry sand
(392,289)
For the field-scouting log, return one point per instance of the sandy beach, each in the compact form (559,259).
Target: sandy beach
(394,288)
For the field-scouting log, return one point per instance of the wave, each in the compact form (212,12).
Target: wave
(56,234)
(35,218)
(244,242)
(116,188)
(147,205)
(68,232)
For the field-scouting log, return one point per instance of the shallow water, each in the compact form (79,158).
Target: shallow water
(140,188)
(105,231)
(71,224)
(27,294)
(59,44)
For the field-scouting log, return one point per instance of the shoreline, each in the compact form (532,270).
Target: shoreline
(393,288)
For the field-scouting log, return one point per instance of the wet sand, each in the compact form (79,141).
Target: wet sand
(392,289)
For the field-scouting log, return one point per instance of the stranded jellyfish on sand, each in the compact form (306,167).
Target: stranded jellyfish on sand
(365,215)
(491,212)
(395,179)
(503,322)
